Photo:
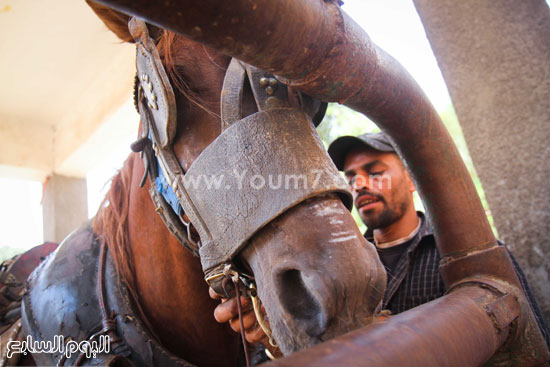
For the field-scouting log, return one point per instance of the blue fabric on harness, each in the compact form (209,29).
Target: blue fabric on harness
(163,187)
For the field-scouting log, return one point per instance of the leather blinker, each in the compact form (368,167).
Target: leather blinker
(154,84)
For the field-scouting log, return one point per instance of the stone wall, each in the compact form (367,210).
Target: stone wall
(495,58)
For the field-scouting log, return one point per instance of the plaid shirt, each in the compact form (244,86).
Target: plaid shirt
(417,279)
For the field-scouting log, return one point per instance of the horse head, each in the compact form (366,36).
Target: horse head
(316,275)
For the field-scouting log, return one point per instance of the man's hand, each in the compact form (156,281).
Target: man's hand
(227,311)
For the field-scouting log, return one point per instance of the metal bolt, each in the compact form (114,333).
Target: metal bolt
(269,90)
(264,82)
(273,82)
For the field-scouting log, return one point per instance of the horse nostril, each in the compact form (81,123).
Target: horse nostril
(299,302)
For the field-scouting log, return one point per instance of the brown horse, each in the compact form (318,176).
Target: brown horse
(316,275)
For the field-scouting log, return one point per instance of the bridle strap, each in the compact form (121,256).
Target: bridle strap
(157,108)
(155,84)
(267,91)
(232,94)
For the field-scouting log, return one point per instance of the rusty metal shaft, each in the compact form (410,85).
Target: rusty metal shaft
(400,342)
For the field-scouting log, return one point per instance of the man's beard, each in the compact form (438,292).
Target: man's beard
(385,218)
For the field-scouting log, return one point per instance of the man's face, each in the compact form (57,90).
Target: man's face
(381,187)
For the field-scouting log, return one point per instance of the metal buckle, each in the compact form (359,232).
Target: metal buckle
(235,275)
(188,226)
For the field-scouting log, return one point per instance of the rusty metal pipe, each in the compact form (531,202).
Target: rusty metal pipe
(464,328)
(314,46)
(400,341)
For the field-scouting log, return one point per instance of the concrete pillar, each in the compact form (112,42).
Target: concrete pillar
(64,206)
(495,58)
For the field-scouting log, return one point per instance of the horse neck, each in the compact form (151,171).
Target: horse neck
(169,285)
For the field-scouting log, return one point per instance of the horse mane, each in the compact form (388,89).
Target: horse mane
(111,226)
(111,223)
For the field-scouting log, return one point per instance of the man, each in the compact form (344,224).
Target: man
(382,191)
(383,195)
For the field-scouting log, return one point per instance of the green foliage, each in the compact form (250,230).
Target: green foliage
(340,120)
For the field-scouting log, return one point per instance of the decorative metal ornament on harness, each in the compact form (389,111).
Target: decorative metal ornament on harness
(274,141)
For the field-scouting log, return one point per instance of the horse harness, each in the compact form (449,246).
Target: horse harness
(246,144)
(75,293)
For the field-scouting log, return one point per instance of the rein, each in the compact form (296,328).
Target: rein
(259,142)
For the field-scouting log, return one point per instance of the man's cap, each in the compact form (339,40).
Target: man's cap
(340,148)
